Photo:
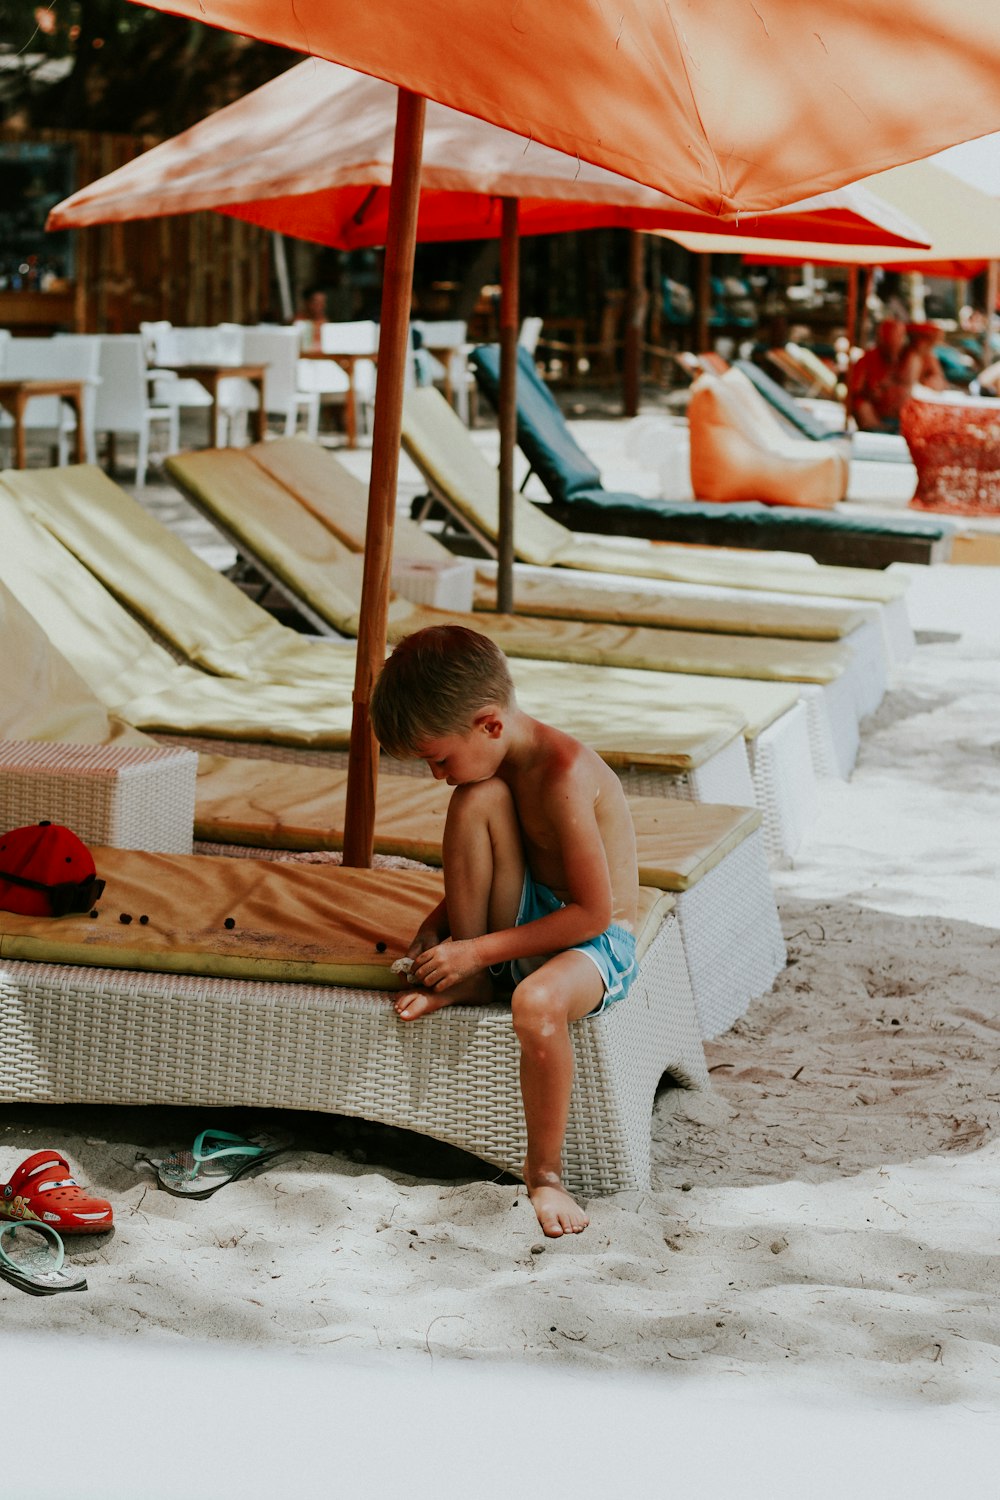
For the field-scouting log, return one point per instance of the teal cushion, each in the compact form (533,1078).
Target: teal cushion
(801,419)
(756,514)
(542,433)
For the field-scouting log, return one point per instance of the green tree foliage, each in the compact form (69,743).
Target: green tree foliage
(124,67)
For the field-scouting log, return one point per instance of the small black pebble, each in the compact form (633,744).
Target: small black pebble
(143,920)
(380,947)
(230,922)
(124,917)
(95,913)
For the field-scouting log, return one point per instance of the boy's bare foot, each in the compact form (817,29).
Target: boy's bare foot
(413,1004)
(558,1213)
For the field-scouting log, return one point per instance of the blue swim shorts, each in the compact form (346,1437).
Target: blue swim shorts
(612,953)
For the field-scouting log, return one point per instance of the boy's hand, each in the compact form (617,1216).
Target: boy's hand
(447,964)
(427,937)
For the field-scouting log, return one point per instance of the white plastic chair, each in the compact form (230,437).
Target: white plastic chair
(222,344)
(167,389)
(445,341)
(66,356)
(123,404)
(529,334)
(278,348)
(358,338)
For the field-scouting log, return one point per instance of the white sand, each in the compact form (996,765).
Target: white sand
(825,1224)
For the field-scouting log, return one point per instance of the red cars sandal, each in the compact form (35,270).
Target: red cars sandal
(43,1190)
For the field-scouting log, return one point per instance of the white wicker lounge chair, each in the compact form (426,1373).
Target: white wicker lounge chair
(106,1035)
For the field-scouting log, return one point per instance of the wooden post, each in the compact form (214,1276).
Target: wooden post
(866,291)
(397,287)
(510,317)
(703,303)
(656,305)
(992,289)
(851,318)
(635,317)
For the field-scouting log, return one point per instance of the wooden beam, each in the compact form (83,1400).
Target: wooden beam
(394,341)
(510,317)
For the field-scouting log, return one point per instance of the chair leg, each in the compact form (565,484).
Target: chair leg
(142,456)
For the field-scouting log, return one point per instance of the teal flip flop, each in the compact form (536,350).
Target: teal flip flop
(215,1159)
(36,1268)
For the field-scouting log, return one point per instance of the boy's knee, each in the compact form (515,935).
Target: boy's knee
(481,800)
(537,1008)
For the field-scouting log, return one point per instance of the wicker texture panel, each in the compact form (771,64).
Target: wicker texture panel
(897,632)
(784,781)
(732,936)
(724,777)
(834,736)
(70,1034)
(871,674)
(122,796)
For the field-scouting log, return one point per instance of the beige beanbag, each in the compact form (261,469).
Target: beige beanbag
(739,453)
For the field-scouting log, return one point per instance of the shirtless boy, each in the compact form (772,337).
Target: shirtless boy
(540,874)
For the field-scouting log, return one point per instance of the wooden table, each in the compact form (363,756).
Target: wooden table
(15,395)
(210,376)
(346,362)
(444,354)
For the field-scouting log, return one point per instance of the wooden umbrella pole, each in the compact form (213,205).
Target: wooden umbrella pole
(393,349)
(866,291)
(851,316)
(510,256)
(635,317)
(992,287)
(703,303)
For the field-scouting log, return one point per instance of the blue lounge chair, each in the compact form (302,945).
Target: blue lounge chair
(580,501)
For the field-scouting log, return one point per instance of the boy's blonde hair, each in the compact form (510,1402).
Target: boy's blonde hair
(434,683)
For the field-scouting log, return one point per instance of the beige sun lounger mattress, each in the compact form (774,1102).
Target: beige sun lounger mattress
(139,682)
(272,805)
(440,446)
(339,499)
(314,564)
(320,924)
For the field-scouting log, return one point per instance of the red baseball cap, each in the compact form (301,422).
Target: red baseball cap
(46,871)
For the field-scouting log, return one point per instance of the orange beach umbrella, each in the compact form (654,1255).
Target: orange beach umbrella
(310,154)
(732,107)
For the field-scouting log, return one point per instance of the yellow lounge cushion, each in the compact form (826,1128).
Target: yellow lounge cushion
(435,438)
(41,696)
(204,614)
(338,498)
(561,597)
(321,924)
(440,446)
(268,804)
